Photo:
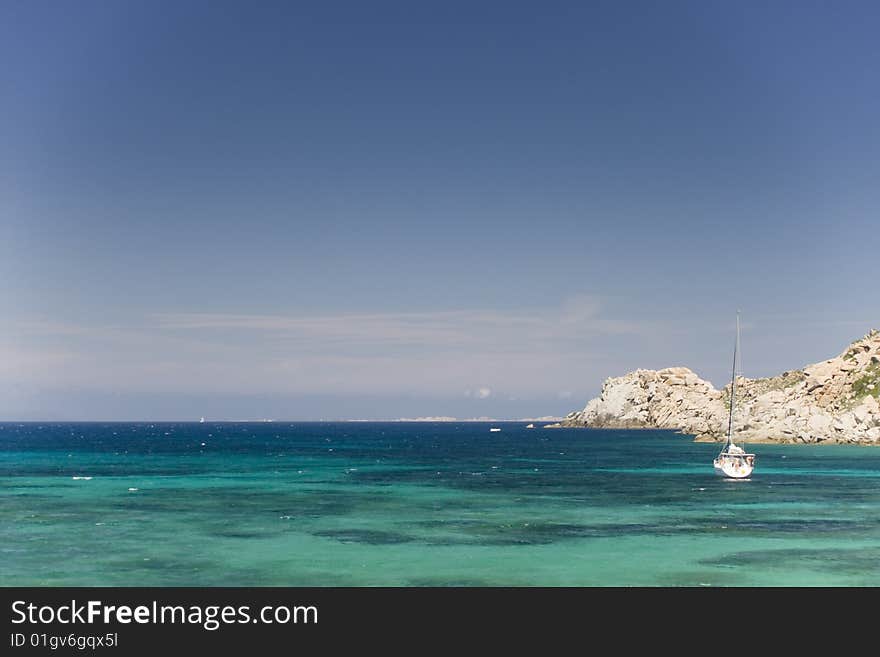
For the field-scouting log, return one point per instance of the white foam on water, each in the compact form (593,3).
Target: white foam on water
(81,478)
(132,490)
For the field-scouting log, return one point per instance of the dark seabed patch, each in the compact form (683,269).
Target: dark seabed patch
(854,561)
(366,536)
(439,581)
(231,533)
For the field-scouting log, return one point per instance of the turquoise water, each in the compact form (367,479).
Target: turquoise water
(399,504)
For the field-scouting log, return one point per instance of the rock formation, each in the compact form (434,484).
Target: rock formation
(835,401)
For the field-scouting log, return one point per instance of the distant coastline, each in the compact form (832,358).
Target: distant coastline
(546,418)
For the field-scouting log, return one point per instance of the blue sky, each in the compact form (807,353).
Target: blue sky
(374,210)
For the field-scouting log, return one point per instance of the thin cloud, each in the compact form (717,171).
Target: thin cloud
(434,352)
(577,318)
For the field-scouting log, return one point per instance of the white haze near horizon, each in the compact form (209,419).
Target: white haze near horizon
(541,362)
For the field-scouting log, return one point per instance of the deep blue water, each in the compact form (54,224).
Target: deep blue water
(424,504)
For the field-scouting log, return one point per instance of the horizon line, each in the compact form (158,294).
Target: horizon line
(279,421)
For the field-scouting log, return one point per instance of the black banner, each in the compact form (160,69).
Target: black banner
(126,621)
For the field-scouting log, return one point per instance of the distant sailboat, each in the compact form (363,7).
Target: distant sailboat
(733,461)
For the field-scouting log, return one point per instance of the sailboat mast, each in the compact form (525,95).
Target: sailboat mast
(733,384)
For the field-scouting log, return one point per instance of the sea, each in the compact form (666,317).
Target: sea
(424,504)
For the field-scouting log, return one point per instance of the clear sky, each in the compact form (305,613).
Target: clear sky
(307,210)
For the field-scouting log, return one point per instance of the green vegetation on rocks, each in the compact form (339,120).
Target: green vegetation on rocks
(868,383)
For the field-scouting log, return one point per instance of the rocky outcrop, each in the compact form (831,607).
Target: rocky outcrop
(833,401)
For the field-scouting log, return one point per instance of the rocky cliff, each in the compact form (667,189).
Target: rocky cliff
(835,401)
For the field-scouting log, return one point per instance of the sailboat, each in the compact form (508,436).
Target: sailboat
(733,461)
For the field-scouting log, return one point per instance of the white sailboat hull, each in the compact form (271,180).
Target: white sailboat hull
(733,467)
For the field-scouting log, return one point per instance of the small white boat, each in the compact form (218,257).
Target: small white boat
(733,461)
(201,420)
(530,426)
(494,429)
